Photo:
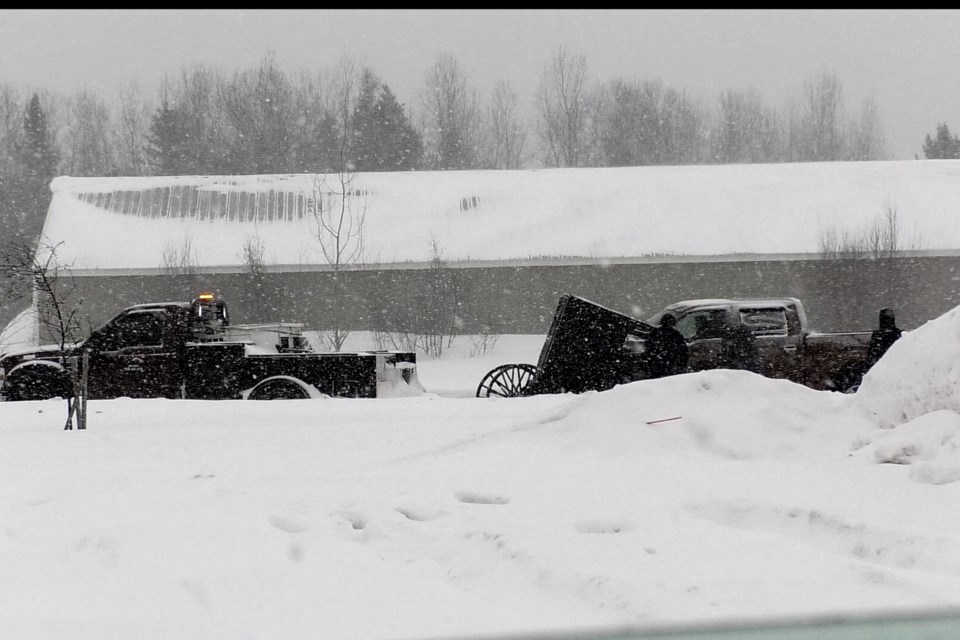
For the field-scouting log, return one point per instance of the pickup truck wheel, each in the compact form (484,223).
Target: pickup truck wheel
(848,380)
(37,380)
(507,381)
(280,389)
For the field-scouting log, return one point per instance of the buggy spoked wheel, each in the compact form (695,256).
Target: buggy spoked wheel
(507,381)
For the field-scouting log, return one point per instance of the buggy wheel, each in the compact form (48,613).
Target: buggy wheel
(507,381)
(280,388)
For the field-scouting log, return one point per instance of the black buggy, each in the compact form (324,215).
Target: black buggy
(589,347)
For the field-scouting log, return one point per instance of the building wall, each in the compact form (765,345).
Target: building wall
(838,295)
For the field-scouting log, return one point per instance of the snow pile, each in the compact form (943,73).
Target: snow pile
(919,374)
(930,444)
(915,391)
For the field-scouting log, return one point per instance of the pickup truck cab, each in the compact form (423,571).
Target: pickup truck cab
(788,348)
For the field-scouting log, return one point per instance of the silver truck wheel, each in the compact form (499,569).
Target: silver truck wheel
(506,381)
(282,388)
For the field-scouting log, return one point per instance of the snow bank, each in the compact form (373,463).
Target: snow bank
(915,390)
(918,375)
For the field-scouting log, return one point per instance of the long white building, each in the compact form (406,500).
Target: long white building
(682,213)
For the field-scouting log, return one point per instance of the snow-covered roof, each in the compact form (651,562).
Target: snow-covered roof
(559,214)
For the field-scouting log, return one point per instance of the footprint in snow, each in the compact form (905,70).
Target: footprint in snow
(290,524)
(602,526)
(471,497)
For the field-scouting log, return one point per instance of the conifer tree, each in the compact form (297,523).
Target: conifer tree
(384,138)
(365,129)
(38,157)
(165,141)
(945,146)
(402,147)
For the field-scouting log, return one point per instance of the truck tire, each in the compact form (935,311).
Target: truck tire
(849,378)
(282,388)
(37,380)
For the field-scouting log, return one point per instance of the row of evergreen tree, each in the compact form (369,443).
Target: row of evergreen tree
(264,120)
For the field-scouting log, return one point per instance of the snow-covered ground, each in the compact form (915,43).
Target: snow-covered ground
(709,497)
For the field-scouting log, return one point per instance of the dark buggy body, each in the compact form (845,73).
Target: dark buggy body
(588,348)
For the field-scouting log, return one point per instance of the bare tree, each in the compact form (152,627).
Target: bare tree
(11,139)
(561,109)
(201,137)
(179,258)
(338,217)
(255,289)
(259,107)
(453,119)
(840,244)
(819,121)
(131,137)
(315,132)
(682,134)
(57,302)
(885,235)
(437,305)
(507,135)
(880,237)
(745,131)
(596,105)
(11,126)
(88,137)
(643,123)
(16,269)
(431,318)
(866,139)
(343,89)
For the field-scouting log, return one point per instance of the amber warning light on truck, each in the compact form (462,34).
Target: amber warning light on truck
(211,310)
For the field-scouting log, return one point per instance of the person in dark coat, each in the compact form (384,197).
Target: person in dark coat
(883,336)
(667,352)
(738,348)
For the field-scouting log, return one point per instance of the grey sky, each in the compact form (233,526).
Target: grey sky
(904,58)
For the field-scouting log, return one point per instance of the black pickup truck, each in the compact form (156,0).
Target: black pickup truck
(191,350)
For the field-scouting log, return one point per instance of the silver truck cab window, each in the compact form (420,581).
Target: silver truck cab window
(766,321)
(702,324)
